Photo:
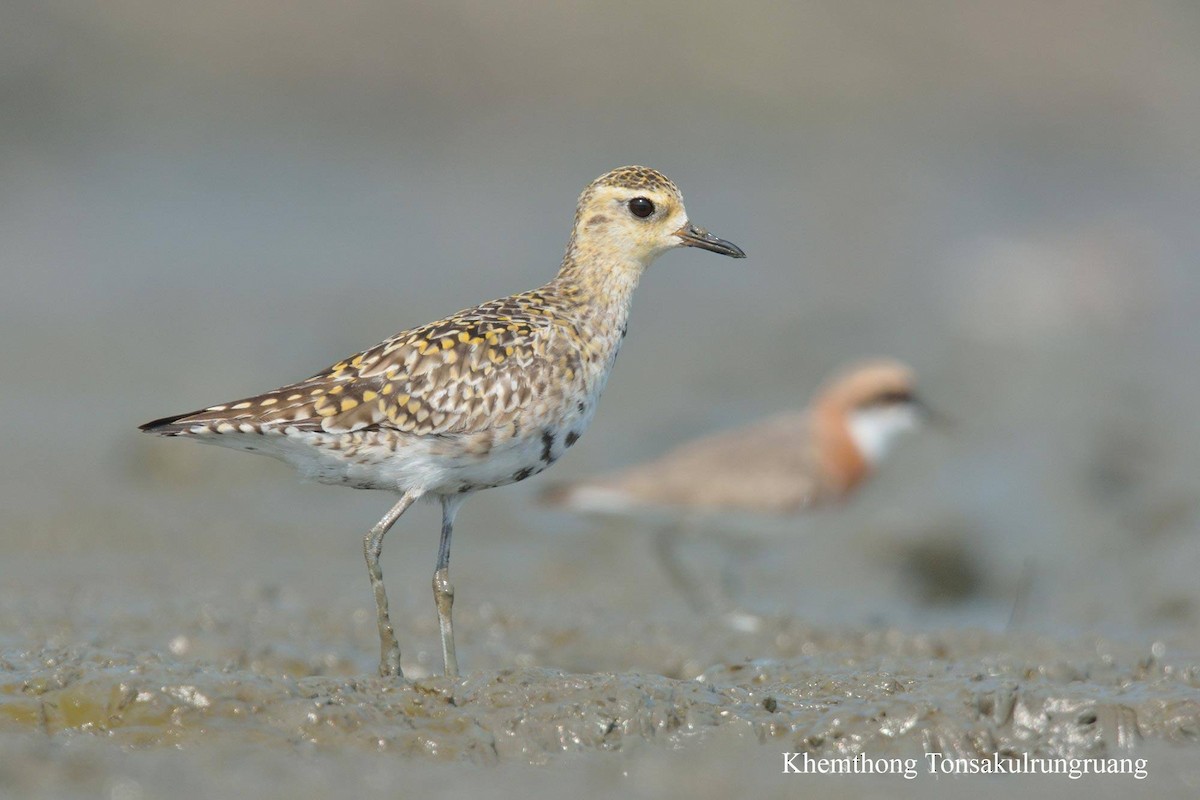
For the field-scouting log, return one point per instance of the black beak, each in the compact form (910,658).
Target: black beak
(931,415)
(693,236)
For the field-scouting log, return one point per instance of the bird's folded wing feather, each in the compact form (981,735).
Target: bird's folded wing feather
(475,370)
(767,466)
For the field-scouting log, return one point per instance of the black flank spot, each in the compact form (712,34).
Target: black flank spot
(624,330)
(582,408)
(522,474)
(572,438)
(547,445)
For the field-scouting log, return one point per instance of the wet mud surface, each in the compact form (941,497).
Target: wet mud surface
(827,691)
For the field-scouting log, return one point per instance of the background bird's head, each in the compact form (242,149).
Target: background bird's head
(878,402)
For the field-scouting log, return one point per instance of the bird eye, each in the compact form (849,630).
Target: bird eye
(641,207)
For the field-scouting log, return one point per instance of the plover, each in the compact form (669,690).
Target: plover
(779,466)
(483,398)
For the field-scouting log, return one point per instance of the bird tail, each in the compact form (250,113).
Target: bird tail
(177,425)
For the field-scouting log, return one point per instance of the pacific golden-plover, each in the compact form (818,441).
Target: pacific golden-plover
(779,466)
(483,398)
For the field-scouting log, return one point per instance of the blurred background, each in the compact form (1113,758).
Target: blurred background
(201,201)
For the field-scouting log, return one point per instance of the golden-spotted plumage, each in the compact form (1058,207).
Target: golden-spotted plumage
(479,369)
(485,397)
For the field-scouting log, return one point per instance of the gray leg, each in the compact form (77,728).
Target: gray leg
(1021,598)
(389,648)
(666,547)
(443,590)
(734,562)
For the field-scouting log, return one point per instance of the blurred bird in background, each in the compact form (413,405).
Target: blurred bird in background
(783,465)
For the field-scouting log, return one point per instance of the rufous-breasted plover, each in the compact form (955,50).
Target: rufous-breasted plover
(781,465)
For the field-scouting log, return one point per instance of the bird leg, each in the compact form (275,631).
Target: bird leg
(389,648)
(443,590)
(666,547)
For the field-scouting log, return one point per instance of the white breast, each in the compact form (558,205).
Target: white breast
(874,430)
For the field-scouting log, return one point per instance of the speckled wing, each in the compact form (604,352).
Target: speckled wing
(476,370)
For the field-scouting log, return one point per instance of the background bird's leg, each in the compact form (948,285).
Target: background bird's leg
(443,590)
(666,547)
(734,565)
(389,648)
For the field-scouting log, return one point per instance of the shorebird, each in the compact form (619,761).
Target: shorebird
(778,466)
(483,398)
